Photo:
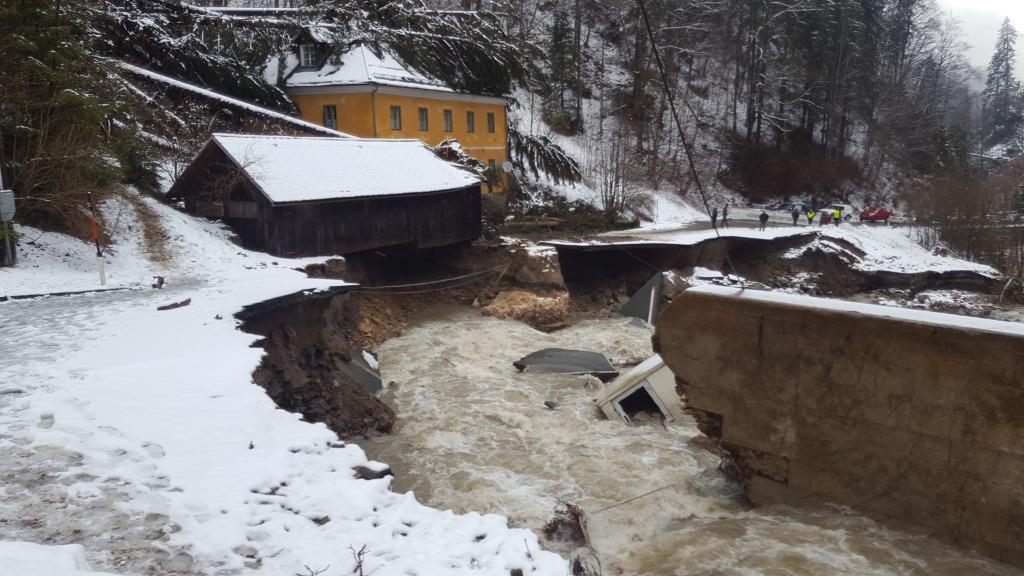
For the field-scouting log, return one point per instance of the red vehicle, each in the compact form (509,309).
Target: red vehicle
(875,214)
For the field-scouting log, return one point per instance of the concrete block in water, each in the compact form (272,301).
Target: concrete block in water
(910,416)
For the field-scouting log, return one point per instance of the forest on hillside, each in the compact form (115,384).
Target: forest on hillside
(867,100)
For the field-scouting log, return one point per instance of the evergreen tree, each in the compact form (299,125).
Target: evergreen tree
(1002,113)
(53,100)
(560,73)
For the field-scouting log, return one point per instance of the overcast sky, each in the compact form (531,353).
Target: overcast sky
(980,20)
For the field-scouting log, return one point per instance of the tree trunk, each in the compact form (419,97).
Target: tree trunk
(637,103)
(579,65)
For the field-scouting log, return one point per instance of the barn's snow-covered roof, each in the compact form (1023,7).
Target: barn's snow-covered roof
(299,169)
(360,65)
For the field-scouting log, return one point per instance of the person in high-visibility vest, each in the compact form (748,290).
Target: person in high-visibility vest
(836,217)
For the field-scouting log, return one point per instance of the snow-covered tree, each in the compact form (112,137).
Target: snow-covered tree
(220,52)
(1002,94)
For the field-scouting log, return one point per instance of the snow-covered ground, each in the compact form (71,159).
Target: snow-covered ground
(27,559)
(139,433)
(50,262)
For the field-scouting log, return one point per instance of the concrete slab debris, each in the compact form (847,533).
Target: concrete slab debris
(363,368)
(644,304)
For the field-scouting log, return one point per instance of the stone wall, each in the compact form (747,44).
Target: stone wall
(913,417)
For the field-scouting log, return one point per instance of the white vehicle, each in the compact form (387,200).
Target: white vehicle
(845,210)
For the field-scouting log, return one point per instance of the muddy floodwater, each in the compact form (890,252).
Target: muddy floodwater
(475,435)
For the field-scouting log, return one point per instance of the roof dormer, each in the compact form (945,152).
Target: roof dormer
(311,48)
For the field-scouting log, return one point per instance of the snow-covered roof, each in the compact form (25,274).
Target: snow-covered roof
(360,65)
(297,169)
(234,102)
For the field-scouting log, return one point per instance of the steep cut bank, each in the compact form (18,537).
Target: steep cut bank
(309,339)
(312,338)
(805,262)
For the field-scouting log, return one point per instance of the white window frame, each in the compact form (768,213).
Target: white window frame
(490,122)
(396,117)
(331,120)
(424,118)
(470,121)
(307,55)
(449,124)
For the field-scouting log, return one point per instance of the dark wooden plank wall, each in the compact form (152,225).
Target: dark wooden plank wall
(358,224)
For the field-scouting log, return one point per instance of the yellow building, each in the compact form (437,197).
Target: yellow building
(377,96)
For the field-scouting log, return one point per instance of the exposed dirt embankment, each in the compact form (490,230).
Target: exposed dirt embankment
(309,338)
(609,273)
(307,342)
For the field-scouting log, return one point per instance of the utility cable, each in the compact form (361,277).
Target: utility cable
(435,285)
(434,282)
(635,498)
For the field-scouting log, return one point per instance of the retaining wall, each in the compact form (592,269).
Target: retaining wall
(909,416)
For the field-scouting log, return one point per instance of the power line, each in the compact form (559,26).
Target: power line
(687,146)
(434,285)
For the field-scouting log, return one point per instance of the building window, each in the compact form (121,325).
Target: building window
(396,117)
(470,121)
(423,120)
(331,116)
(307,55)
(448,121)
(490,122)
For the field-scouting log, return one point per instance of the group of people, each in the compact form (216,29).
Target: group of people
(834,216)
(825,216)
(725,216)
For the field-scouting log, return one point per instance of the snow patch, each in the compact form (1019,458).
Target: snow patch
(27,559)
(906,314)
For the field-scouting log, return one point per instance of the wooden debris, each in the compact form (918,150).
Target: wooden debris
(181,304)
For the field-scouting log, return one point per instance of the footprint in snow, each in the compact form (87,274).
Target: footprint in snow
(154,450)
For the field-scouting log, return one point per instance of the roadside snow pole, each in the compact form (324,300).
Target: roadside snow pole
(96,239)
(6,215)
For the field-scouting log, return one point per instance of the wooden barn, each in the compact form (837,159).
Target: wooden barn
(308,196)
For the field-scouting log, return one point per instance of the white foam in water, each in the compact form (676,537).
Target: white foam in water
(474,434)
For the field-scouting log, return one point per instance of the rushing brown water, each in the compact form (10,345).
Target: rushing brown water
(475,435)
